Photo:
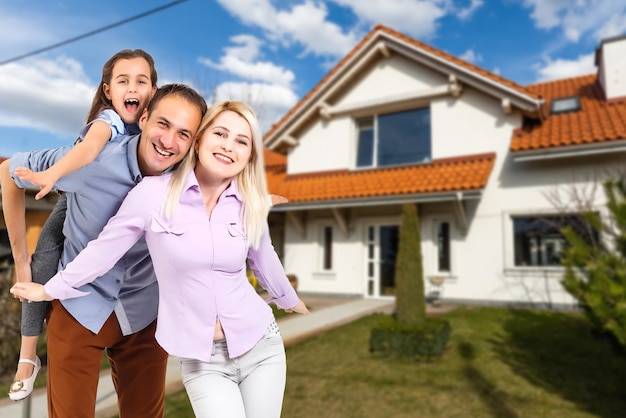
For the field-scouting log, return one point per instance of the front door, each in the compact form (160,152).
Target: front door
(382,248)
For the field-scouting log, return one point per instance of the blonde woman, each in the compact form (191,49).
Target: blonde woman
(201,224)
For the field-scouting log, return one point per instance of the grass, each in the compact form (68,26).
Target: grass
(499,363)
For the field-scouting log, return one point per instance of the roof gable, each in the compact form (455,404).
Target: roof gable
(379,44)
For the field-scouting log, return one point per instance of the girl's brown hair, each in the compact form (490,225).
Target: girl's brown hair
(100,101)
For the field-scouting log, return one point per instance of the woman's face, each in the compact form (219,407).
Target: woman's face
(225,147)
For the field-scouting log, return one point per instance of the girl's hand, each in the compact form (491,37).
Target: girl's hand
(43,179)
(32,292)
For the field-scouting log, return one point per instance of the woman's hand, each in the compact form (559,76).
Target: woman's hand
(299,308)
(32,292)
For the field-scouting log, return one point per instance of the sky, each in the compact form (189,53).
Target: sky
(269,53)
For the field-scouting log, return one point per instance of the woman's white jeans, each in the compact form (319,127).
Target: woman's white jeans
(249,386)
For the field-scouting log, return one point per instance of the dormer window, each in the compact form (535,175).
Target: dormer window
(565,105)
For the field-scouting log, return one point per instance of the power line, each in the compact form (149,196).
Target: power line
(85,35)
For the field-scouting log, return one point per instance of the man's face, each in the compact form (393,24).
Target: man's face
(167,134)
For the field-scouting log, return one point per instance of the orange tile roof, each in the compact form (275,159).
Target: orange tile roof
(383,29)
(272,158)
(597,121)
(444,175)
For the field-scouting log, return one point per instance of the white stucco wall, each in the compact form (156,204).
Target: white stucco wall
(329,145)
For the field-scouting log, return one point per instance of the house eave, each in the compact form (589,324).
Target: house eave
(379,201)
(570,151)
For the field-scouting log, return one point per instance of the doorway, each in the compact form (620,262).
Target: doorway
(382,249)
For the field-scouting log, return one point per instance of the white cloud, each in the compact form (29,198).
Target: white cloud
(417,18)
(19,30)
(467,12)
(305,23)
(267,87)
(471,56)
(240,61)
(615,25)
(580,18)
(247,49)
(47,95)
(561,68)
(270,102)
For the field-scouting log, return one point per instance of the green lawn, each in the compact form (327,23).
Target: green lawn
(499,363)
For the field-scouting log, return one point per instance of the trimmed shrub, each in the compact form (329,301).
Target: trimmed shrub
(411,342)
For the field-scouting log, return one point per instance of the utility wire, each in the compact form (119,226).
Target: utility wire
(85,35)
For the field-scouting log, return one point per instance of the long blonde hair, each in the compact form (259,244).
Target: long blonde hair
(251,180)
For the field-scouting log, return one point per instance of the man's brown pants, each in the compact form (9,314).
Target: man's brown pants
(138,365)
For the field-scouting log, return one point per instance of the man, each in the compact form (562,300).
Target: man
(119,314)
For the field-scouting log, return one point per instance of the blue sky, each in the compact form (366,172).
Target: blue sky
(267,52)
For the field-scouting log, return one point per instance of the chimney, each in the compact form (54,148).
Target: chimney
(611,63)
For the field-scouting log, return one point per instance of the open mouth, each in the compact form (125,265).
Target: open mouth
(131,105)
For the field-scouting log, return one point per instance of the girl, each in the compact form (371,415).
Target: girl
(201,223)
(128,82)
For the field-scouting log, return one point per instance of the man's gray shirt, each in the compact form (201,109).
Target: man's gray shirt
(94,194)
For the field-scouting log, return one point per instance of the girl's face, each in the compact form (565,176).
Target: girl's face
(130,88)
(225,147)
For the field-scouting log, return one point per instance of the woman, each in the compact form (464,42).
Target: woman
(201,224)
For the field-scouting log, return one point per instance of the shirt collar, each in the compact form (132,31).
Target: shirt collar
(231,190)
(131,155)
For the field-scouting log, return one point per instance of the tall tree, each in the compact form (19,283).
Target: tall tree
(409,278)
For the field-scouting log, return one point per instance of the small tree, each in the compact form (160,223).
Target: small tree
(409,275)
(595,271)
(410,334)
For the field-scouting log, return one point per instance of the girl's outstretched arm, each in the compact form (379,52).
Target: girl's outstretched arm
(80,155)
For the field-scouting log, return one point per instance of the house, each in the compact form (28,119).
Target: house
(494,168)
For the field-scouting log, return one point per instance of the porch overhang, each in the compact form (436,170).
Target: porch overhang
(296,213)
(379,201)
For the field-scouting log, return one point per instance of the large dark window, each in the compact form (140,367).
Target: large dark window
(394,138)
(538,240)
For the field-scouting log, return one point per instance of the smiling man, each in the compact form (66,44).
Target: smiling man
(119,314)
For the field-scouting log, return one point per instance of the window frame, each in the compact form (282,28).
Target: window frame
(575,108)
(513,260)
(374,118)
